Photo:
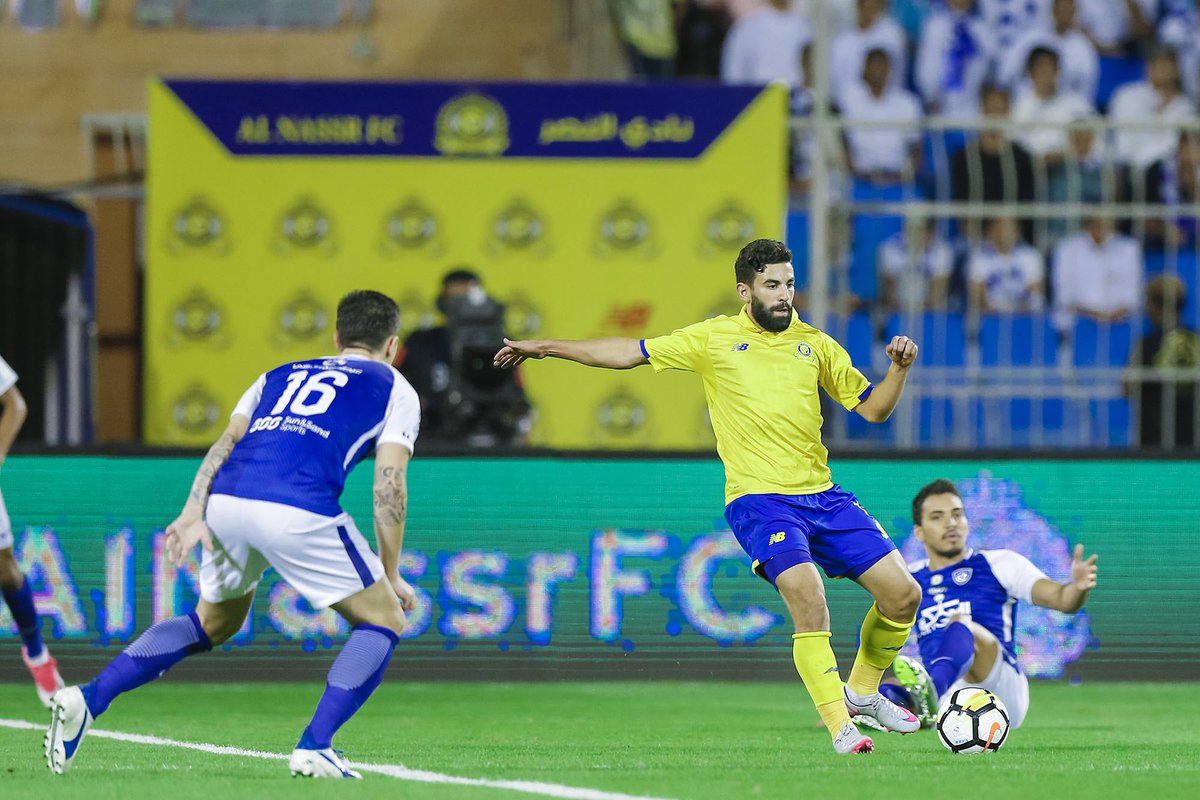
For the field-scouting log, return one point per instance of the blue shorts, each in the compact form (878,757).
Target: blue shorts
(829,528)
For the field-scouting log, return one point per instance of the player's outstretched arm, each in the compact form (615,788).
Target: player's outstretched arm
(882,400)
(189,527)
(610,353)
(1068,597)
(390,505)
(12,416)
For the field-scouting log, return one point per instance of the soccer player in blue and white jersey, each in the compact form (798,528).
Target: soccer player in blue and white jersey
(968,608)
(267,494)
(14,586)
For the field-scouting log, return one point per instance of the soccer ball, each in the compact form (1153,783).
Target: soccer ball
(972,720)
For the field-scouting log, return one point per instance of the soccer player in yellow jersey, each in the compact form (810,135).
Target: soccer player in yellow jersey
(761,370)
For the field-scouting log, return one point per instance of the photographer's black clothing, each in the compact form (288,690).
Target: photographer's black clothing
(426,365)
(462,395)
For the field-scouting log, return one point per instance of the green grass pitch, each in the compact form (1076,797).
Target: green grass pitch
(701,741)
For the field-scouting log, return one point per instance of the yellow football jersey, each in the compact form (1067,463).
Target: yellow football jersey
(761,389)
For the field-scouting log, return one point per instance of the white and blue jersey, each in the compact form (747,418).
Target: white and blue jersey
(310,423)
(984,587)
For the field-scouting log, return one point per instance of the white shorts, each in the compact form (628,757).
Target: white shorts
(6,537)
(325,559)
(1009,684)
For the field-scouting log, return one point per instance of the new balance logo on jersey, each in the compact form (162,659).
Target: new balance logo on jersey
(741,346)
(776,538)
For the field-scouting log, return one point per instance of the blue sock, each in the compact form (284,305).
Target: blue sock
(954,656)
(355,673)
(20,603)
(150,656)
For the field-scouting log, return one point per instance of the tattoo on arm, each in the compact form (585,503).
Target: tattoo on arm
(391,497)
(217,455)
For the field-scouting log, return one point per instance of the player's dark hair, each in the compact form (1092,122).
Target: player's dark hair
(940,486)
(367,319)
(755,257)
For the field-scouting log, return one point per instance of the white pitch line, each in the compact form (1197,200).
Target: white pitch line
(392,770)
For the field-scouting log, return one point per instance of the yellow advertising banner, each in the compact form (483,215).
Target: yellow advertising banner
(589,210)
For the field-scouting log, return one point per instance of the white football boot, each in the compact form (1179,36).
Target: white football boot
(70,720)
(891,716)
(327,763)
(851,740)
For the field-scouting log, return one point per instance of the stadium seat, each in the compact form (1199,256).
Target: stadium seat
(1115,71)
(1111,420)
(797,241)
(1023,340)
(1023,422)
(869,231)
(936,421)
(860,339)
(940,336)
(1099,344)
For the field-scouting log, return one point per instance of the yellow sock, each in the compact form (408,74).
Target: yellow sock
(879,640)
(818,669)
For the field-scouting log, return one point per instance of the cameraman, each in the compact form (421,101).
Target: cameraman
(464,399)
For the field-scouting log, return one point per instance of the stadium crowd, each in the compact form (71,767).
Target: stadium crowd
(1086,278)
(1044,63)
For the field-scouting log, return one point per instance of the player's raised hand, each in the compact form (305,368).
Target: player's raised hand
(902,351)
(182,535)
(1083,572)
(514,352)
(406,593)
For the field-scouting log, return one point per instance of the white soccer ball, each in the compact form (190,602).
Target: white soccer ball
(972,720)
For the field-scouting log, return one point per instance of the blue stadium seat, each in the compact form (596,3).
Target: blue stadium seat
(936,421)
(860,340)
(797,240)
(939,335)
(1022,422)
(1111,421)
(1025,340)
(1100,344)
(869,231)
(1116,71)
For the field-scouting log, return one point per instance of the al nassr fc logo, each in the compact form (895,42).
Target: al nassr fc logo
(471,125)
(198,226)
(306,226)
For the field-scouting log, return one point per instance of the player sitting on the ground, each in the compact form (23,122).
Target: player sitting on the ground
(968,609)
(267,494)
(13,584)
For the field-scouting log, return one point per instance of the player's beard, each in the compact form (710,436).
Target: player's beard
(766,319)
(953,551)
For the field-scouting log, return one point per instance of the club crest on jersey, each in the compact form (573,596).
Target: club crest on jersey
(804,350)
(961,576)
